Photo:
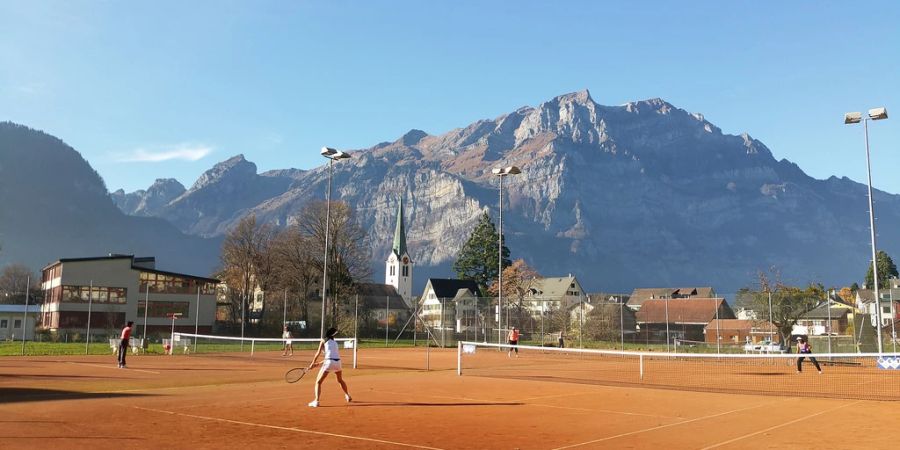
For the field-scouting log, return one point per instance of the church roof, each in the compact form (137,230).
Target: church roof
(399,247)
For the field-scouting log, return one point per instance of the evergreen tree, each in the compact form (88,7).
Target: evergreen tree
(886,269)
(477,259)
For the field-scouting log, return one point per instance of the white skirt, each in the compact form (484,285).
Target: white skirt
(330,365)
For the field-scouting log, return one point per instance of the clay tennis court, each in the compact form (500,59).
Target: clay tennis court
(229,401)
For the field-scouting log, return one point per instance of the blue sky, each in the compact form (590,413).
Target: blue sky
(166,89)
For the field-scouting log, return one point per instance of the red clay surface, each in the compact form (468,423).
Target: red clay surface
(202,401)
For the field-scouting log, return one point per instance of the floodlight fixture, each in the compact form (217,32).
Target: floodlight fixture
(333,154)
(878,113)
(850,117)
(503,171)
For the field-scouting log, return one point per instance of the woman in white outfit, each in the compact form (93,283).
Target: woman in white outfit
(331,363)
(288,343)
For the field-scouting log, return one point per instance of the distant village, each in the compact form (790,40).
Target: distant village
(97,295)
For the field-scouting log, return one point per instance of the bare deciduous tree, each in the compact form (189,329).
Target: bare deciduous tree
(347,251)
(13,280)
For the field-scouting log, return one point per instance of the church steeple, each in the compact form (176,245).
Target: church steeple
(399,246)
(398,271)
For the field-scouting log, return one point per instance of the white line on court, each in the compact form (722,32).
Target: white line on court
(661,426)
(110,367)
(780,425)
(276,427)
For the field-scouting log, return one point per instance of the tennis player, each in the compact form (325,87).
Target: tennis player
(804,348)
(331,363)
(123,343)
(513,341)
(288,343)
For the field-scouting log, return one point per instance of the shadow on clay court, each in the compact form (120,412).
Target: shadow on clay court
(20,395)
(213,369)
(359,404)
(44,375)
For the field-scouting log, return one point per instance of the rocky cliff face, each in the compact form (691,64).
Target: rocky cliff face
(151,201)
(637,195)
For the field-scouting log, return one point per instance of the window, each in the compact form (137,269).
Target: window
(392,270)
(17,323)
(405,271)
(99,294)
(172,284)
(4,323)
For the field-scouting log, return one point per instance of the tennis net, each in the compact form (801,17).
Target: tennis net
(855,376)
(250,346)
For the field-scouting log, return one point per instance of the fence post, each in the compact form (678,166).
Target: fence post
(387,317)
(641,358)
(458,357)
(87,340)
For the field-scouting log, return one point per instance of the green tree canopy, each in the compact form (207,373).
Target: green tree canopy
(886,270)
(477,260)
(788,303)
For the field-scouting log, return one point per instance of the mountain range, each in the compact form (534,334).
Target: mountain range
(638,195)
(54,205)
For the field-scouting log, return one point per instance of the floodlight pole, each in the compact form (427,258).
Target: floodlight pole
(144,343)
(500,270)
(852,118)
(667,324)
(771,323)
(501,172)
(828,328)
(332,155)
(197,318)
(25,314)
(872,234)
(87,340)
(325,261)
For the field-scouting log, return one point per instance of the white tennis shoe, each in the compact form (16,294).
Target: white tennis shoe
(313,404)
(348,398)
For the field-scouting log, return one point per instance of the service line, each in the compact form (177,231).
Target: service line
(711,416)
(105,366)
(780,425)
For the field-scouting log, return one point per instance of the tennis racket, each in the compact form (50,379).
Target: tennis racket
(294,375)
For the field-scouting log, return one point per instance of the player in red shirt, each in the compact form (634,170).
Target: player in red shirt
(123,344)
(513,341)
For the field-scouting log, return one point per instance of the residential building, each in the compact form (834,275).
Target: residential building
(822,320)
(450,303)
(112,290)
(553,293)
(640,295)
(14,320)
(682,318)
(889,303)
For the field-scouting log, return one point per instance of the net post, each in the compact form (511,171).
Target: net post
(355,348)
(252,345)
(641,359)
(459,358)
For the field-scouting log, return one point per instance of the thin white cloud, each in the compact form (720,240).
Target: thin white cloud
(182,152)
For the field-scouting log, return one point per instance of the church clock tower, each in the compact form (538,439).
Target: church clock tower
(399,266)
